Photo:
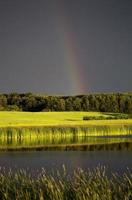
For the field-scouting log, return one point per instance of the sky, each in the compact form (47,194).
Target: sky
(65,47)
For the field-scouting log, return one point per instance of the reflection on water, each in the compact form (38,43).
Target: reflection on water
(53,160)
(63,140)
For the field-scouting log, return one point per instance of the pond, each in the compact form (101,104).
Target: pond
(89,145)
(51,160)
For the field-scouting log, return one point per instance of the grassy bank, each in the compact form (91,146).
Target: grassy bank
(63,130)
(82,185)
(23,119)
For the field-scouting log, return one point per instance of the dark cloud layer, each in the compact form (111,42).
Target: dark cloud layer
(32,55)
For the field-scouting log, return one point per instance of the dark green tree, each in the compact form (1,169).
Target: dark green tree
(69,104)
(77,104)
(3,102)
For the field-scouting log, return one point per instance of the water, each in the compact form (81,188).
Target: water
(52,160)
(115,161)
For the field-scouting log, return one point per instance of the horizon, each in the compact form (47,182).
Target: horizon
(72,95)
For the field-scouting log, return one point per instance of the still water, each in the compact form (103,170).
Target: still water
(51,160)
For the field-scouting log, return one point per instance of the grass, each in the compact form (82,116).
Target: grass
(81,185)
(23,119)
(63,138)
(20,130)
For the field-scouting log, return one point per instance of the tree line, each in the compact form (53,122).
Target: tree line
(111,102)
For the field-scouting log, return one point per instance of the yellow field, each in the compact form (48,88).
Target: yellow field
(20,119)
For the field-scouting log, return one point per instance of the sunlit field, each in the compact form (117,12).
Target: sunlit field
(62,130)
(14,119)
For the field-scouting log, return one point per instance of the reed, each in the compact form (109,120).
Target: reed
(43,136)
(81,185)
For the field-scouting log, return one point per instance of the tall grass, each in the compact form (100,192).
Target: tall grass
(81,185)
(43,136)
(57,131)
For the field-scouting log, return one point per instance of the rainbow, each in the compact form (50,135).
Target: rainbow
(73,69)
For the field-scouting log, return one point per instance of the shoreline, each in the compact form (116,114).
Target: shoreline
(73,147)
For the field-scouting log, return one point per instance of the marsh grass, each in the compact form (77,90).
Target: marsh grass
(62,136)
(81,185)
(57,131)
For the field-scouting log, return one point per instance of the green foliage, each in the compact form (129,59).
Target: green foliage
(114,102)
(108,116)
(85,103)
(95,118)
(69,104)
(77,104)
(56,104)
(3,102)
(13,108)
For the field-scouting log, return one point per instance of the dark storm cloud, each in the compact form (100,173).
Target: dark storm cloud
(33,59)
